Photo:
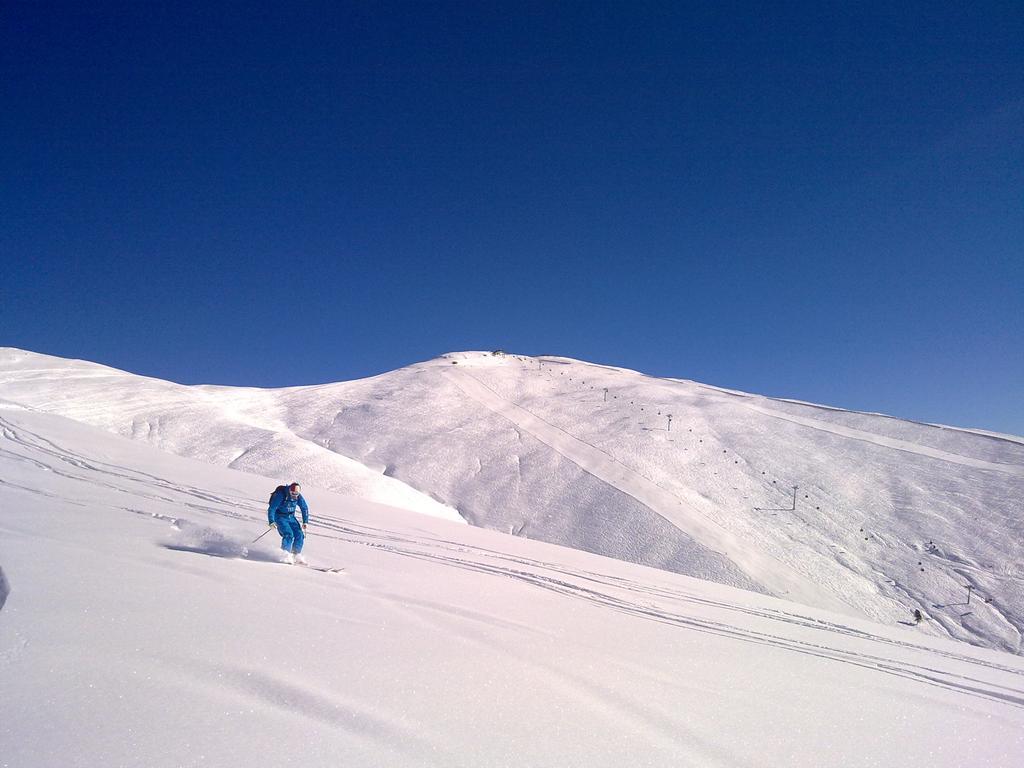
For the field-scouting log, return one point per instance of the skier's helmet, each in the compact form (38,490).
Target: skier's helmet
(293,490)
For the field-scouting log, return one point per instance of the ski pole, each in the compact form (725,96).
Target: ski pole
(262,535)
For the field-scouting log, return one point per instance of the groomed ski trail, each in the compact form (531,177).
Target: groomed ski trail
(889,442)
(774,575)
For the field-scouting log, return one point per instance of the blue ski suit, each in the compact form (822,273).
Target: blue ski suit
(281,512)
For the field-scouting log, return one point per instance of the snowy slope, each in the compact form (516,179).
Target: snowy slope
(143,629)
(239,428)
(888,515)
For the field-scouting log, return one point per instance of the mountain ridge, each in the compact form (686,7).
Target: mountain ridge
(934,507)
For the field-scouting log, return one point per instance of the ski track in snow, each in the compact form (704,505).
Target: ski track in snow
(328,707)
(61,456)
(628,596)
(889,442)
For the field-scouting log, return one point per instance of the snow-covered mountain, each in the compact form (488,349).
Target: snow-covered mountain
(886,516)
(142,627)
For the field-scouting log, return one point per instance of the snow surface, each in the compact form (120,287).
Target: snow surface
(241,428)
(888,515)
(143,628)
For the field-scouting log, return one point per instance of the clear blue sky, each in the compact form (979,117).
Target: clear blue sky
(814,200)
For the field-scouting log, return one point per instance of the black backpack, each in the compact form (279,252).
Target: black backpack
(283,489)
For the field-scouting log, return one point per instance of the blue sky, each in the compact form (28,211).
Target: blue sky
(818,201)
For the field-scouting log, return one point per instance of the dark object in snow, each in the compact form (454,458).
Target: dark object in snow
(5,589)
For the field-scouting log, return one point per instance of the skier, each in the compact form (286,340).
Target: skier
(917,616)
(281,513)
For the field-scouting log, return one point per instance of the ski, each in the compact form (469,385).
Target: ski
(322,569)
